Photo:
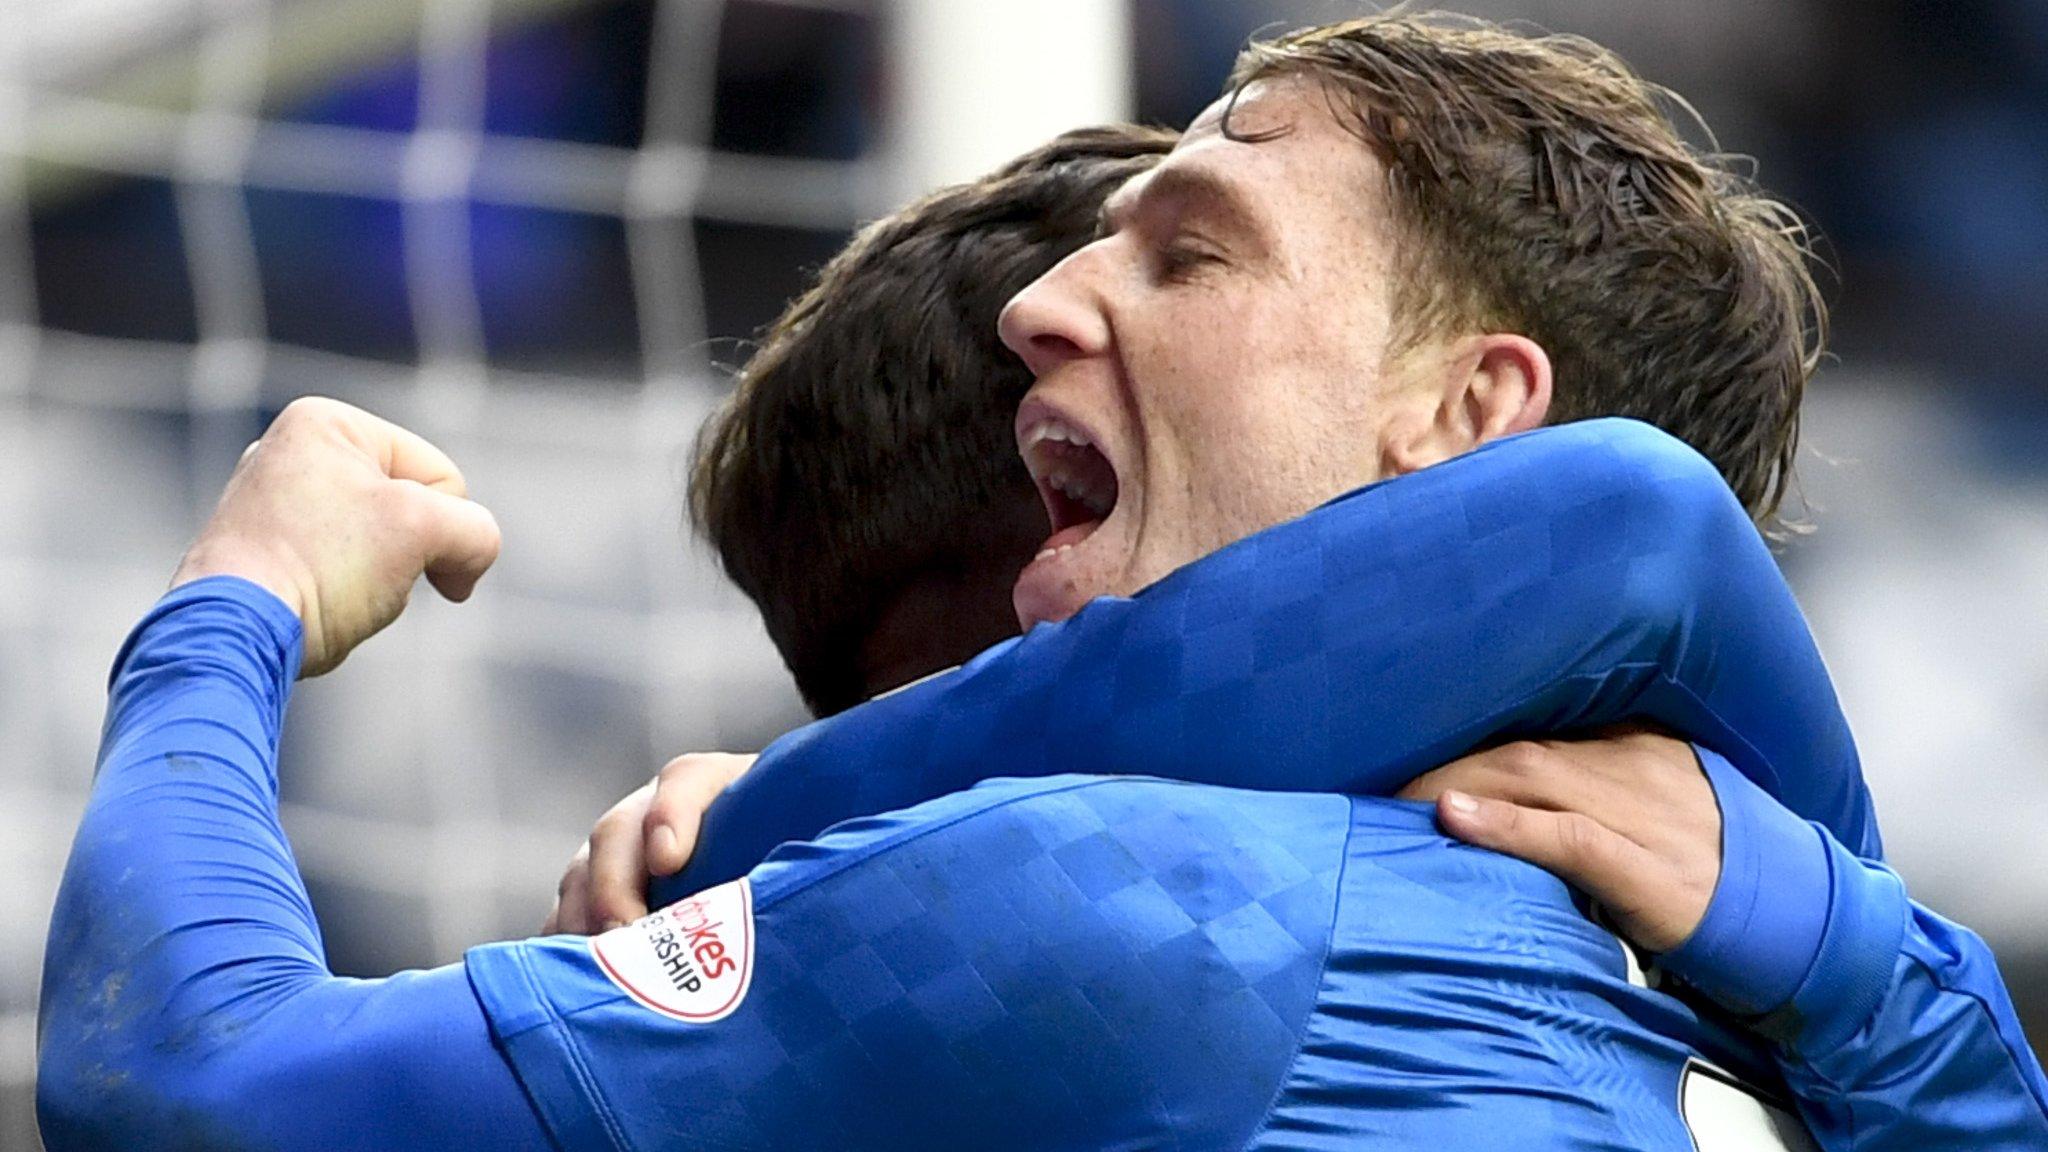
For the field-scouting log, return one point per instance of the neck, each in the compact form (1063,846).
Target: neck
(947,616)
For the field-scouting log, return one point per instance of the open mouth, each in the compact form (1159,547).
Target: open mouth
(1076,481)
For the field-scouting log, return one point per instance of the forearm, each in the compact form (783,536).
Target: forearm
(185,990)
(1575,576)
(180,838)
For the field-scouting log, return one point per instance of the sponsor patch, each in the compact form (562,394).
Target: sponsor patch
(691,961)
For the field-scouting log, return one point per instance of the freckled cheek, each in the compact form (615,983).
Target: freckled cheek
(1226,451)
(1205,388)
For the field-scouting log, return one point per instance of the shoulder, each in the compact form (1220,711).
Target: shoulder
(1086,955)
(1093,840)
(1101,960)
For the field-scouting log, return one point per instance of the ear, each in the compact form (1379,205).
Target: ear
(1490,386)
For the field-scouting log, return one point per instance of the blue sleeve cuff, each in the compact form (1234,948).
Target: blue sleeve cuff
(1866,931)
(223,627)
(1765,926)
(275,626)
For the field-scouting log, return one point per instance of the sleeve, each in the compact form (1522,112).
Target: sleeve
(1029,965)
(1567,577)
(1891,1024)
(186,999)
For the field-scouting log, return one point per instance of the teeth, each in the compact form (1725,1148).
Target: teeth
(1095,501)
(1047,462)
(1057,431)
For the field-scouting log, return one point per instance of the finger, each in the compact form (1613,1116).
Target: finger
(618,868)
(572,898)
(1570,844)
(1625,878)
(406,455)
(686,787)
(459,540)
(1465,774)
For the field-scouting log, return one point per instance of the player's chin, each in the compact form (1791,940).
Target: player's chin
(1039,599)
(1052,588)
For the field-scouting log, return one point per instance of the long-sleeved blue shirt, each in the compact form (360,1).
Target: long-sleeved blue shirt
(1170,963)
(1563,578)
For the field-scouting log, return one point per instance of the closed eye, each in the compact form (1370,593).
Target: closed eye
(1179,261)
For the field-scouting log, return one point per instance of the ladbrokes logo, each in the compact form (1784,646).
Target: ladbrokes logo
(690,961)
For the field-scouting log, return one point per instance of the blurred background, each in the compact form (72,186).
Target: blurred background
(535,230)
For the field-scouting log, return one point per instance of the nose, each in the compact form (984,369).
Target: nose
(1058,317)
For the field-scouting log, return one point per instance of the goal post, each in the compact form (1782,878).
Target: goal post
(980,81)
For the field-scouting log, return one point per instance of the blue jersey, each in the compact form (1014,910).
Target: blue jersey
(1567,577)
(1109,962)
(1051,962)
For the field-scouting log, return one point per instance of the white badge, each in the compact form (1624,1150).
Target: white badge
(691,961)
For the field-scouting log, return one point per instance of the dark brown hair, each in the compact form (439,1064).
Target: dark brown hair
(868,443)
(1539,186)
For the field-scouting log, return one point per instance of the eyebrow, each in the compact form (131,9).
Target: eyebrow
(1198,189)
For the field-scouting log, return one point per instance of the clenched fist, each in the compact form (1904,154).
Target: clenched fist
(338,513)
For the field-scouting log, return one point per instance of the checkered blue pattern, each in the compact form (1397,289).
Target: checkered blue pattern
(1065,962)
(1115,962)
(1571,576)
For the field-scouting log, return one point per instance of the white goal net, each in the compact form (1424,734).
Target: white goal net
(183,249)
